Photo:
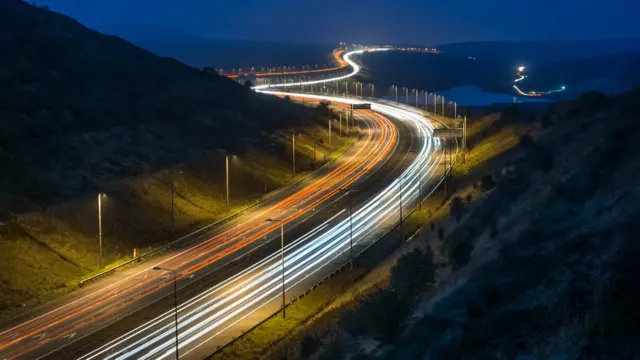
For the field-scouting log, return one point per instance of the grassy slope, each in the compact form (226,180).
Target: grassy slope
(84,112)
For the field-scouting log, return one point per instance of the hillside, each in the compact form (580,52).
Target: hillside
(540,51)
(82,113)
(532,256)
(240,54)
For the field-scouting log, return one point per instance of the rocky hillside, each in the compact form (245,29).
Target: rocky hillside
(535,261)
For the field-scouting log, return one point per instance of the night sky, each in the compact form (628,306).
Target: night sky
(361,21)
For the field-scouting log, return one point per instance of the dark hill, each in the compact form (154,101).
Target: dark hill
(79,108)
(540,51)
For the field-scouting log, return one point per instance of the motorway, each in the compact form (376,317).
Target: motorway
(231,277)
(57,327)
(337,54)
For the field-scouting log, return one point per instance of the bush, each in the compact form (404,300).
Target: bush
(487,183)
(545,121)
(493,228)
(380,316)
(527,142)
(457,208)
(461,255)
(309,344)
(413,273)
(468,198)
(543,160)
(593,100)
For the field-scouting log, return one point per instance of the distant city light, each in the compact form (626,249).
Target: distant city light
(521,68)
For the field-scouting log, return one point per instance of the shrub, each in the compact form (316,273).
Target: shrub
(468,198)
(309,344)
(381,316)
(487,183)
(413,273)
(545,121)
(493,228)
(526,142)
(592,100)
(457,208)
(461,255)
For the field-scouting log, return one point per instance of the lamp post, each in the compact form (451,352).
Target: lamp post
(401,225)
(100,195)
(396,92)
(293,152)
(435,103)
(353,255)
(417,101)
(406,95)
(282,261)
(175,302)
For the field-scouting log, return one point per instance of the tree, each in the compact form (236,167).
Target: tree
(413,273)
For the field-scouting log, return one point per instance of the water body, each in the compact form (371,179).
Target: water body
(472,96)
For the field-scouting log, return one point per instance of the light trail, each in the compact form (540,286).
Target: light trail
(107,303)
(222,307)
(337,55)
(218,309)
(347,58)
(520,76)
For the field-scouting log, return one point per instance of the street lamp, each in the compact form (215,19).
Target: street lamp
(100,195)
(349,192)
(282,260)
(406,95)
(175,301)
(417,101)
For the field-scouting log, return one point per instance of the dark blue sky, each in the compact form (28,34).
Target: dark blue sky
(366,21)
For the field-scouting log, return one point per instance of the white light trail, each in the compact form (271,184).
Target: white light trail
(218,308)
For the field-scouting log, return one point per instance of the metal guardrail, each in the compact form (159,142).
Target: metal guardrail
(216,223)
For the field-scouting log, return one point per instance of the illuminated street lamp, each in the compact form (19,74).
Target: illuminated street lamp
(175,302)
(353,255)
(100,195)
(282,260)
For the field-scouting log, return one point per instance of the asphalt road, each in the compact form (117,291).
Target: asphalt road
(219,312)
(70,319)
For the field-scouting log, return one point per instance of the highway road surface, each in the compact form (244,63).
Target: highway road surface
(91,309)
(232,277)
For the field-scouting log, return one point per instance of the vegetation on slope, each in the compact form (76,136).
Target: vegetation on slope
(82,113)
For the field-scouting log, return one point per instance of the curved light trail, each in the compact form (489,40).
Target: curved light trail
(251,295)
(51,330)
(307,259)
(521,76)
(347,58)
